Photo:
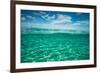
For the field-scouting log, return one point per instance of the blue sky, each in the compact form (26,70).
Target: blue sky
(55,20)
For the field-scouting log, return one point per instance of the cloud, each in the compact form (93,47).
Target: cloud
(30,17)
(50,18)
(54,18)
(57,18)
(78,13)
(42,12)
(45,16)
(45,26)
(82,23)
(62,19)
(77,27)
(39,13)
(57,21)
(23,18)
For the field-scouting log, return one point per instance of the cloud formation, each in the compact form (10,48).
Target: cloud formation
(56,20)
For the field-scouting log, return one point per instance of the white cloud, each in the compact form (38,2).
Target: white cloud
(58,21)
(23,18)
(45,16)
(42,12)
(82,23)
(77,27)
(62,19)
(55,18)
(30,17)
(50,18)
(39,13)
(78,13)
(77,24)
(46,26)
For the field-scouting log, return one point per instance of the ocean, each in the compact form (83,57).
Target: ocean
(54,47)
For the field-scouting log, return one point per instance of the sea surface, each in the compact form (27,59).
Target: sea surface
(54,47)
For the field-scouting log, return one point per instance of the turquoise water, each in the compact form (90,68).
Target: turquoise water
(54,47)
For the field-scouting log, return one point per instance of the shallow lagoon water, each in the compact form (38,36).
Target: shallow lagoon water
(54,47)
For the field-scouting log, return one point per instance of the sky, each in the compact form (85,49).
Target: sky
(76,21)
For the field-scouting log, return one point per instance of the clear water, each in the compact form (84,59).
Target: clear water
(54,47)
